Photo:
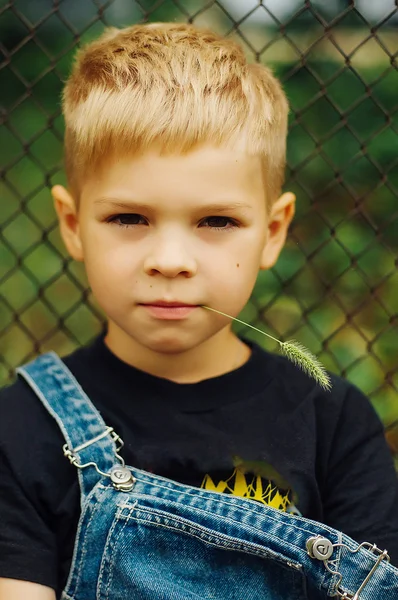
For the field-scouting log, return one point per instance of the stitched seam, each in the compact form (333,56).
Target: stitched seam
(108,543)
(188,526)
(78,531)
(254,508)
(111,565)
(225,518)
(228,544)
(65,377)
(220,499)
(102,567)
(53,413)
(70,378)
(83,551)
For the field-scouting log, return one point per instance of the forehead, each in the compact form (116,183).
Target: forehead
(204,171)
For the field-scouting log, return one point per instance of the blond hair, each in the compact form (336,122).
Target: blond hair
(175,86)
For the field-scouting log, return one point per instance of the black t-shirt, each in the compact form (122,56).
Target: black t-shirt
(328,446)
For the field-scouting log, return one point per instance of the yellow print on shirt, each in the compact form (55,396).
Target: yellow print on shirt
(251,479)
(254,487)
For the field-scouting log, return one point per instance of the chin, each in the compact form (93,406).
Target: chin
(169,344)
(169,347)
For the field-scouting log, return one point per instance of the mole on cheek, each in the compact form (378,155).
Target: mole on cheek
(237,264)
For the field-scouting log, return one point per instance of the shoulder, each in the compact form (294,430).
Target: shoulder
(20,409)
(24,421)
(291,391)
(294,385)
(347,432)
(19,399)
(30,438)
(29,435)
(39,493)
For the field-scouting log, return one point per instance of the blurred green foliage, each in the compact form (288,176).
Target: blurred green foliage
(334,288)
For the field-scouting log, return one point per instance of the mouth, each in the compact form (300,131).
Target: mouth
(165,304)
(169,310)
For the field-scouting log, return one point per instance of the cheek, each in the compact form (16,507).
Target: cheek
(238,271)
(103,252)
(108,267)
(246,258)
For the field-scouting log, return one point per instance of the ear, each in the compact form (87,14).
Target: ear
(282,213)
(68,218)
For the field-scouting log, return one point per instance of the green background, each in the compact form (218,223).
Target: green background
(335,286)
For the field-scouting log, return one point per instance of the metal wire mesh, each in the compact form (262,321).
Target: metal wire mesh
(334,286)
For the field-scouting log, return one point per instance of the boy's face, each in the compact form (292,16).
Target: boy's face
(189,229)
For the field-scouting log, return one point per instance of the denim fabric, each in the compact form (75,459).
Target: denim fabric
(164,540)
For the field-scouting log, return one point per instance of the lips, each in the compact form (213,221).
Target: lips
(167,304)
(169,311)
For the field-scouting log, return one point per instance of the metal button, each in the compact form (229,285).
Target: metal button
(121,478)
(319,547)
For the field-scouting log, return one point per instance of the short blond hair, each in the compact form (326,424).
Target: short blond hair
(175,86)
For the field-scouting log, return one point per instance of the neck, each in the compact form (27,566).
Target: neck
(220,354)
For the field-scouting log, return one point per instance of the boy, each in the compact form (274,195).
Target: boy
(175,155)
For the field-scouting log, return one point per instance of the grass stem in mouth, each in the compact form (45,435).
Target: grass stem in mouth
(295,352)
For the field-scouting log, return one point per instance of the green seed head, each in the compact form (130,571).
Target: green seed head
(303,358)
(295,352)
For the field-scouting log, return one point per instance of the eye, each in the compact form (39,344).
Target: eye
(126,220)
(133,219)
(220,223)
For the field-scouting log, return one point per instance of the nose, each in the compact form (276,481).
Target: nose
(169,255)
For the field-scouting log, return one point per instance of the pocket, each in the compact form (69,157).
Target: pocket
(152,554)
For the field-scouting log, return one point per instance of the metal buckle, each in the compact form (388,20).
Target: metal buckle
(72,454)
(382,555)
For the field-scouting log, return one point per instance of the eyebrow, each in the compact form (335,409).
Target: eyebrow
(213,207)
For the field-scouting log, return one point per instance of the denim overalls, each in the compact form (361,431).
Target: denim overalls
(145,537)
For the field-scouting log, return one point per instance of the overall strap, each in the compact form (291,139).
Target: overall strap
(88,439)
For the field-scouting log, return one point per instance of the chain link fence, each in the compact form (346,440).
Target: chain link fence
(335,286)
